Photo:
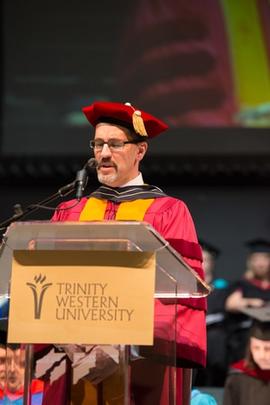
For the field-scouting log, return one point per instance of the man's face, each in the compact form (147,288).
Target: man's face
(260,350)
(116,167)
(15,369)
(2,367)
(259,264)
(208,266)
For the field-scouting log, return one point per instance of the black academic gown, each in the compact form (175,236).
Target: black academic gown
(238,325)
(246,386)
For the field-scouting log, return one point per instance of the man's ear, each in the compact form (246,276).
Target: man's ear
(142,149)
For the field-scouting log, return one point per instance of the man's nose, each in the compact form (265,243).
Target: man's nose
(12,365)
(105,151)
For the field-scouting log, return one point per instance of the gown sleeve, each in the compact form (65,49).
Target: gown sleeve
(172,219)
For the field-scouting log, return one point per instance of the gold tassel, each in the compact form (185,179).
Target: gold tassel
(137,122)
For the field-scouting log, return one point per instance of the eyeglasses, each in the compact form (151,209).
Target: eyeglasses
(113,144)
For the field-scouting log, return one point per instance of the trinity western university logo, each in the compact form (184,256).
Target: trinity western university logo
(38,289)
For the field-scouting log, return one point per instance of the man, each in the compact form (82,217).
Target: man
(15,369)
(216,367)
(2,370)
(210,254)
(119,145)
(15,373)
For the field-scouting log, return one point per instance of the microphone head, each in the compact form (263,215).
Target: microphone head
(91,164)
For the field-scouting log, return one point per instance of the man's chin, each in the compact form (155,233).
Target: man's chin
(108,180)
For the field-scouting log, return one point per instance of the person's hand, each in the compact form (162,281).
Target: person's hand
(75,351)
(235,302)
(254,302)
(105,366)
(97,365)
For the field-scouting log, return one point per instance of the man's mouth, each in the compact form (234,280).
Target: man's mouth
(106,165)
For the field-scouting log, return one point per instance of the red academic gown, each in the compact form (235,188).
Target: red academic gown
(172,219)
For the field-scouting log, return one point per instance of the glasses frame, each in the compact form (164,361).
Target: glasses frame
(100,147)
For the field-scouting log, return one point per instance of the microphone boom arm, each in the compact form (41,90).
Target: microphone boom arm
(62,192)
(78,183)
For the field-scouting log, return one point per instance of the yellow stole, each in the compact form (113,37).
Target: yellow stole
(94,210)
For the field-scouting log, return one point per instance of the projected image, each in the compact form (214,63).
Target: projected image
(195,64)
(200,63)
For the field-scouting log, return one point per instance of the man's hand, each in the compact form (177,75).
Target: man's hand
(98,364)
(105,366)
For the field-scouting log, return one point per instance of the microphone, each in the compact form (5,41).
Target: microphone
(91,164)
(82,177)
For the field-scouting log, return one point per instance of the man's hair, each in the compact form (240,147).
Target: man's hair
(130,133)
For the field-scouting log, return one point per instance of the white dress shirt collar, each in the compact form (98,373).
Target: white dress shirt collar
(137,181)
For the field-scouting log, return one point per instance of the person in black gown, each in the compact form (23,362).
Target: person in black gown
(248,382)
(251,291)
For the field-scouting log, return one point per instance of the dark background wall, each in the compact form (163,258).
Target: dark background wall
(227,215)
(59,56)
